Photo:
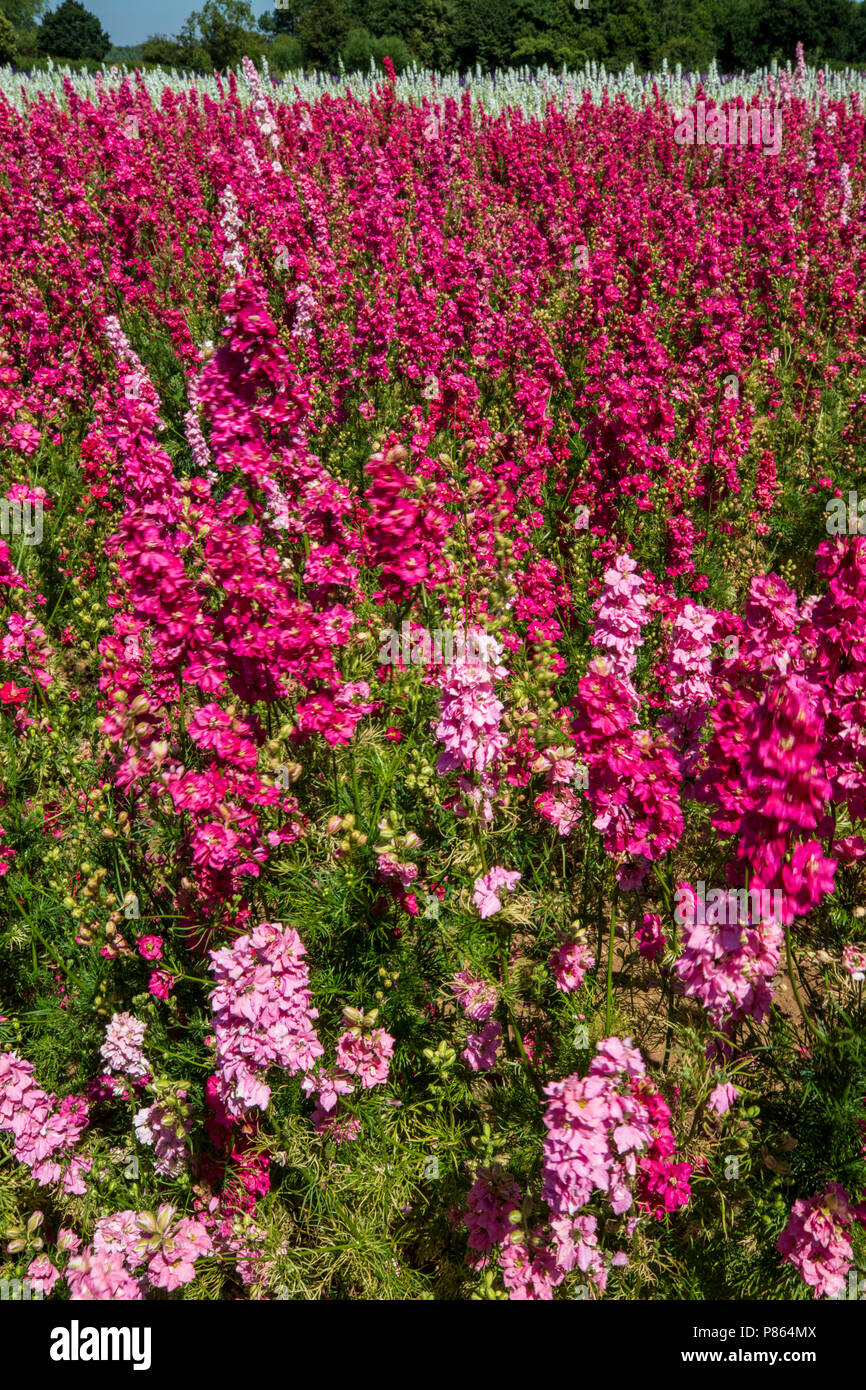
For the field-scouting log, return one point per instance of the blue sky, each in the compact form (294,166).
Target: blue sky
(131,21)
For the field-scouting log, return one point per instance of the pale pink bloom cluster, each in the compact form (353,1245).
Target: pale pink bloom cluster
(328,1085)
(156,1126)
(132,1250)
(569,963)
(42,1126)
(854,961)
(481,1048)
(262,113)
(366,1055)
(122,1049)
(476,998)
(233,256)
(620,613)
(263,1014)
(815,1240)
(42,1275)
(486,895)
(728,967)
(489,1202)
(101,1277)
(596,1131)
(469,712)
(690,693)
(529,1272)
(575,1243)
(722,1097)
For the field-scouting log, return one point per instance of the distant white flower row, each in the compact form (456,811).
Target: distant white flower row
(531,91)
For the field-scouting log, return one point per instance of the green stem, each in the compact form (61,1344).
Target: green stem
(791,971)
(608,1008)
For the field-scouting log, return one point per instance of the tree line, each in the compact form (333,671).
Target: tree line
(458,34)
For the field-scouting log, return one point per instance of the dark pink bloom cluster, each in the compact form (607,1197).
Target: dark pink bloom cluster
(633,775)
(651,940)
(569,963)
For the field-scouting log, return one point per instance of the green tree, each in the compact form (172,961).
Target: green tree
(22,13)
(357,50)
(8,44)
(431,36)
(225,29)
(72,32)
(735,31)
(389,16)
(853,44)
(393,47)
(159,49)
(323,30)
(286,54)
(276,22)
(631,36)
(484,33)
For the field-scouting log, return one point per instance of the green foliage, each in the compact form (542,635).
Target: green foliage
(286,53)
(276,22)
(323,30)
(22,13)
(358,50)
(71,31)
(161,50)
(393,47)
(8,44)
(222,29)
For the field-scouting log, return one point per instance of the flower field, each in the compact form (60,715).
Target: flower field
(432,689)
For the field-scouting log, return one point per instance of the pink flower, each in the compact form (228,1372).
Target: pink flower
(815,1240)
(150,947)
(42,1275)
(160,984)
(854,961)
(121,1050)
(366,1056)
(569,963)
(481,1048)
(722,1098)
(477,999)
(486,889)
